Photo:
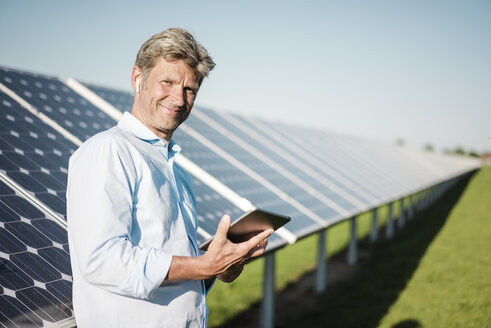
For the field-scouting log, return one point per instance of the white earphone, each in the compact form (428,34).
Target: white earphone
(138,86)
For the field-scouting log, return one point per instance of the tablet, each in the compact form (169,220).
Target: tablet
(250,224)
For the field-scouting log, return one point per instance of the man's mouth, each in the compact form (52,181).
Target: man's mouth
(171,109)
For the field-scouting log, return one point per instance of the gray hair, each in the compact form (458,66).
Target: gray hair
(175,44)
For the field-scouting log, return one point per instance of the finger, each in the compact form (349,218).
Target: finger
(259,248)
(264,243)
(255,252)
(222,229)
(257,239)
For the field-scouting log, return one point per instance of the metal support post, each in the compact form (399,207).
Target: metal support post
(421,198)
(352,256)
(402,214)
(389,228)
(410,208)
(374,227)
(320,273)
(267,306)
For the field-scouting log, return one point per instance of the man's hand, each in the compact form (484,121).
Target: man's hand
(232,273)
(235,270)
(223,259)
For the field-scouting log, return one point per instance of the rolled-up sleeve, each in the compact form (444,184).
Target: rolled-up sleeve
(104,236)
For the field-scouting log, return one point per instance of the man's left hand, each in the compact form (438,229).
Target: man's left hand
(235,270)
(232,273)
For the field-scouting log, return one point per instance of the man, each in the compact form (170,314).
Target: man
(131,210)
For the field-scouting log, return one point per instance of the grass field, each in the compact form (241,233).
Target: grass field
(434,273)
(451,286)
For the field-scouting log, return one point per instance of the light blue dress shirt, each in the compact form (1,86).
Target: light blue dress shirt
(129,210)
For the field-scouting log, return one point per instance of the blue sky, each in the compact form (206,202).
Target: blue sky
(416,70)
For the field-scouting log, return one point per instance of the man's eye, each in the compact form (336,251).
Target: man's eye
(190,91)
(167,82)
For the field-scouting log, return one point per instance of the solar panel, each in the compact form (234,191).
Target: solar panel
(54,99)
(35,273)
(371,177)
(441,166)
(289,157)
(379,165)
(334,158)
(318,164)
(267,172)
(394,174)
(243,184)
(33,154)
(120,99)
(287,160)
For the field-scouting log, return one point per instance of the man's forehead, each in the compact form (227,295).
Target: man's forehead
(176,66)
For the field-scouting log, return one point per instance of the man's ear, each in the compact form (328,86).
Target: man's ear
(136,78)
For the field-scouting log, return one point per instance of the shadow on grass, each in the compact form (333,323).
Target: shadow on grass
(408,323)
(360,295)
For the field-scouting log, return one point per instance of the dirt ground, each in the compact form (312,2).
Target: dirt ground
(299,297)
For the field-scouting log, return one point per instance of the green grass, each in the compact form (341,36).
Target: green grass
(451,286)
(227,300)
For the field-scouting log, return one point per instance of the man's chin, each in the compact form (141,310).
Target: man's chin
(169,130)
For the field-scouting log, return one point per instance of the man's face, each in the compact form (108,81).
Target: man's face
(166,98)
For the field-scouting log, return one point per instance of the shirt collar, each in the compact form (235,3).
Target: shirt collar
(132,125)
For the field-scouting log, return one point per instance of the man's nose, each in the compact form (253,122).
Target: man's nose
(177,96)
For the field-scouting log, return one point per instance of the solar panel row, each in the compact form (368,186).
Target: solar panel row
(315,177)
(33,154)
(35,274)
